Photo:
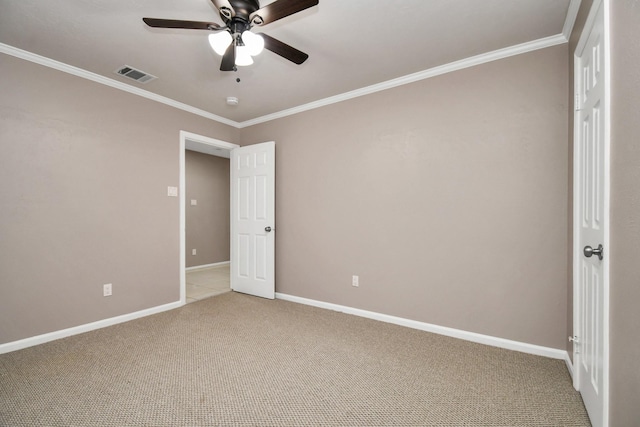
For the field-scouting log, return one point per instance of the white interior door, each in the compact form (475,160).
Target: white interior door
(253,219)
(591,202)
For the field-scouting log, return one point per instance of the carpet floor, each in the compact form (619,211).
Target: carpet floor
(237,360)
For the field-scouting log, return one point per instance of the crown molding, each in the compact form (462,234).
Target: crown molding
(570,21)
(389,84)
(421,75)
(79,72)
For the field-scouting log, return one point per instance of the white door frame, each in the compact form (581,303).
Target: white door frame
(577,249)
(184,137)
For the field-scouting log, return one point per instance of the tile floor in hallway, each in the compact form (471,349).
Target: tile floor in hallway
(207,282)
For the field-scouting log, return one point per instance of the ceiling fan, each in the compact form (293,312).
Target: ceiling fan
(234,41)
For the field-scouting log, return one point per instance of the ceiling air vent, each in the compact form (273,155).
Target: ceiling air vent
(137,75)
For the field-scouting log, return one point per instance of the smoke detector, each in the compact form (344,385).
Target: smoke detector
(137,75)
(232,100)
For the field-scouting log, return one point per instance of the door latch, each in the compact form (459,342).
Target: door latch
(574,340)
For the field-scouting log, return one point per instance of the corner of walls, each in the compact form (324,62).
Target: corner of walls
(79,72)
(382,174)
(89,191)
(440,330)
(572,13)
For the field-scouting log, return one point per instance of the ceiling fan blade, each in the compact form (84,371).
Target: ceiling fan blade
(175,23)
(279,9)
(284,50)
(225,8)
(229,59)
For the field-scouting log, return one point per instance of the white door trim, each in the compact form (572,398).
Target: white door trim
(184,137)
(577,249)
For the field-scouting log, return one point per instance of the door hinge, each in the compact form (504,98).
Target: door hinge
(577,102)
(574,340)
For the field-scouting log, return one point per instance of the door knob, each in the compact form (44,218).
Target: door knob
(267,229)
(589,251)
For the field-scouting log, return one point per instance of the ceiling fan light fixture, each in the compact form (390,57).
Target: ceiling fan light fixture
(253,42)
(239,16)
(243,58)
(220,42)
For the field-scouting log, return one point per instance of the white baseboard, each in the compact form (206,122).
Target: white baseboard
(428,327)
(200,267)
(41,339)
(567,361)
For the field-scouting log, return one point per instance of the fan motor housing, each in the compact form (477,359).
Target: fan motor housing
(238,25)
(244,8)
(240,16)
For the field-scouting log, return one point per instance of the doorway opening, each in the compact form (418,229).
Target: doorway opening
(209,272)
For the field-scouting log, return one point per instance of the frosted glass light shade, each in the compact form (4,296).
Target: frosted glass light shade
(254,42)
(220,42)
(242,56)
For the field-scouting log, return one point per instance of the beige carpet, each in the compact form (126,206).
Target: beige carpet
(236,360)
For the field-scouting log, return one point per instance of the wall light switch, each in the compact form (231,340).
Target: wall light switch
(355,281)
(172,191)
(193,251)
(194,202)
(107,290)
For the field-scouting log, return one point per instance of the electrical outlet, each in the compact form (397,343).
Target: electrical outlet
(355,281)
(194,202)
(106,290)
(193,251)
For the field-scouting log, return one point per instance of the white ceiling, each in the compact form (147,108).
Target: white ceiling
(351,44)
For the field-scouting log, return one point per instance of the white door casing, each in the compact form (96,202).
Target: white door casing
(187,138)
(591,216)
(253,219)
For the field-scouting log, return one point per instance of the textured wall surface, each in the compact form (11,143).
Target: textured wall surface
(625,214)
(83,201)
(207,223)
(448,197)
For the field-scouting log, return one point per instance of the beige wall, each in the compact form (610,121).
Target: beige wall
(83,201)
(207,223)
(625,213)
(448,197)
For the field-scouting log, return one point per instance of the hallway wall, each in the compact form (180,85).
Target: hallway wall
(207,223)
